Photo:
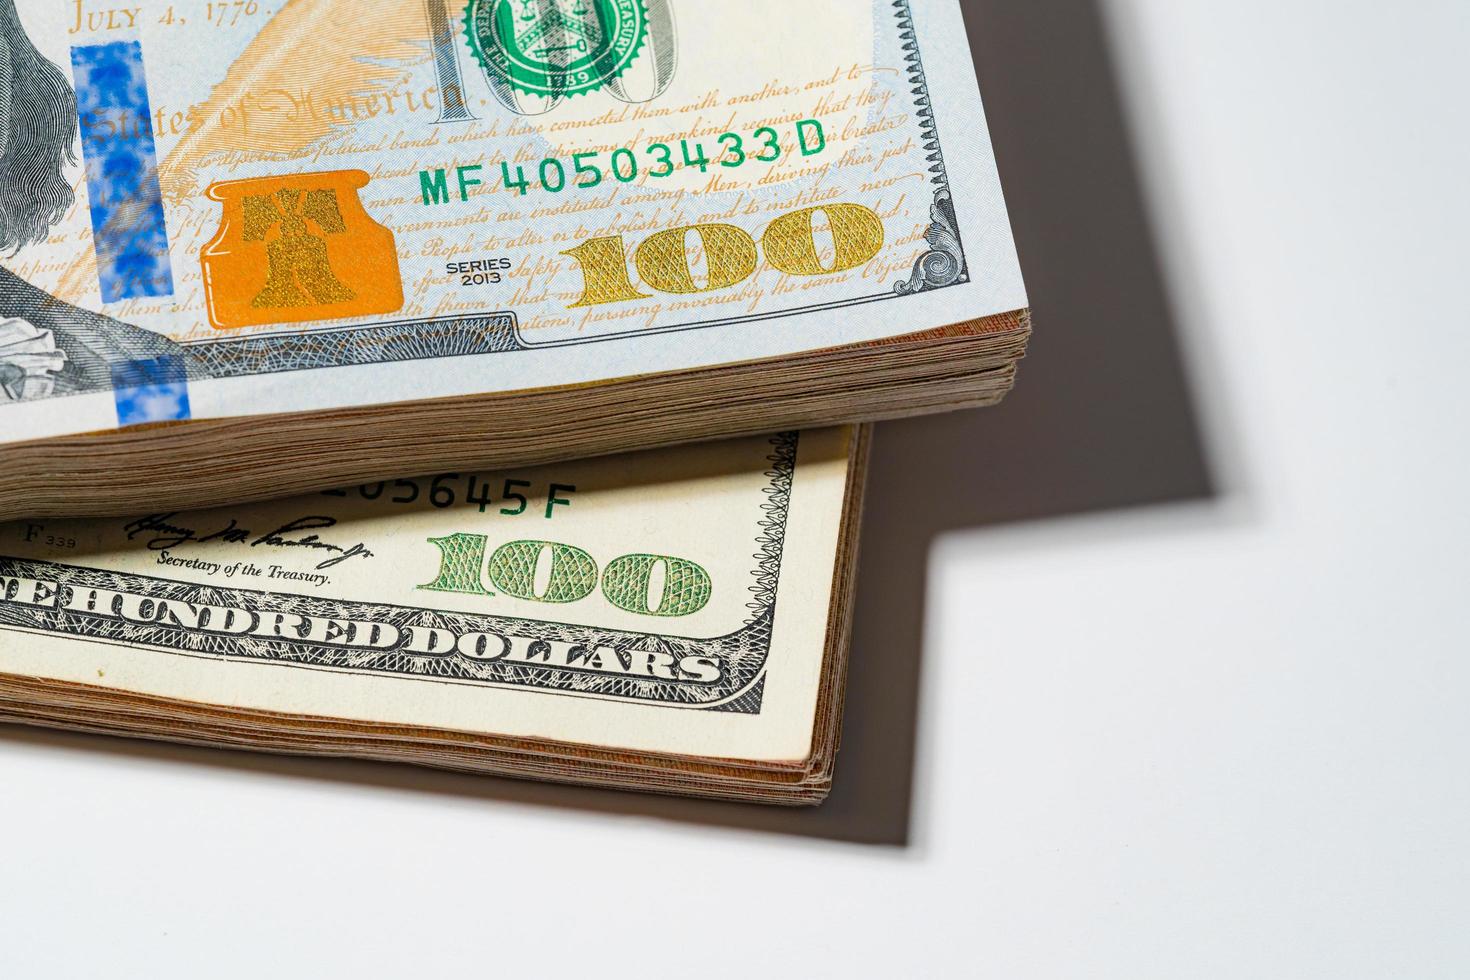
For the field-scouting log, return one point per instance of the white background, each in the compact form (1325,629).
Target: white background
(1225,739)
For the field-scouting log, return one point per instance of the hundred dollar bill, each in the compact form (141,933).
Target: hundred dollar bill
(220,209)
(679,602)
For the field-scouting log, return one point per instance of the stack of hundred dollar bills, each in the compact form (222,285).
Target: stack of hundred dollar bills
(399,380)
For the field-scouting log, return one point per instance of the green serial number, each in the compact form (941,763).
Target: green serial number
(585,171)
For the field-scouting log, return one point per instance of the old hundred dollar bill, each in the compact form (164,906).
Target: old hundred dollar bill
(218,210)
(666,620)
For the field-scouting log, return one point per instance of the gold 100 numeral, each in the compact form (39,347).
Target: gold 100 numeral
(790,245)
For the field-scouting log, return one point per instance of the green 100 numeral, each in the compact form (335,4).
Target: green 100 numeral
(790,244)
(546,571)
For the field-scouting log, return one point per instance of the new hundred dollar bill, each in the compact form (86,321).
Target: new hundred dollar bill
(682,602)
(217,209)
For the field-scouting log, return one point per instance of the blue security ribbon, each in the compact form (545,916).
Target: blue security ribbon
(152,390)
(122,171)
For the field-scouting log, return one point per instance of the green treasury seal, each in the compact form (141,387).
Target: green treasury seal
(556,47)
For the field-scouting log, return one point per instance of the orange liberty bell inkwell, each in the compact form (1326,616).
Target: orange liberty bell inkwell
(298,247)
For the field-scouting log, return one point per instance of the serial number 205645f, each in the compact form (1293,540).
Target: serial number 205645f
(448,489)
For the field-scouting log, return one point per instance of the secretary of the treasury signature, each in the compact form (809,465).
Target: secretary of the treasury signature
(290,535)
